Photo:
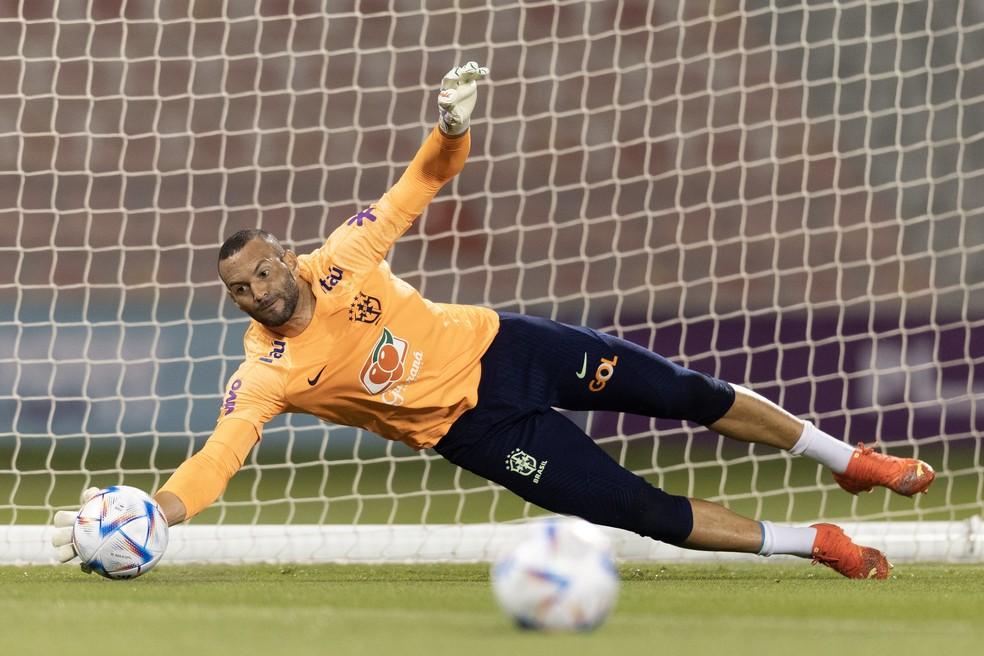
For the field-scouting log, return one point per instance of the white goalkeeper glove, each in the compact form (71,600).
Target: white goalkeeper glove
(64,522)
(458,95)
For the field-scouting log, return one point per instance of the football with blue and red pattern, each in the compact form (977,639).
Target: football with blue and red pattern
(120,533)
(560,577)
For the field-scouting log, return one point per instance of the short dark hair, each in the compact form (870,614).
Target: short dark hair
(235,243)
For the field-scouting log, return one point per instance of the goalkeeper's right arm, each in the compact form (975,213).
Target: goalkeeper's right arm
(198,482)
(202,479)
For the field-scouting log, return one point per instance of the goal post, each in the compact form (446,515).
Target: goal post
(786,195)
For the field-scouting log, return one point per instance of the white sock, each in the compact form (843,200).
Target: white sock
(792,540)
(825,449)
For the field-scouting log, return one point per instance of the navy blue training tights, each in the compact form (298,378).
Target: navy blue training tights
(515,437)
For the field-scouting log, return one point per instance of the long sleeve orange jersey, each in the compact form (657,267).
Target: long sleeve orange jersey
(376,355)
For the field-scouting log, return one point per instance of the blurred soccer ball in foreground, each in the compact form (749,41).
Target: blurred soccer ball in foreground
(562,577)
(120,533)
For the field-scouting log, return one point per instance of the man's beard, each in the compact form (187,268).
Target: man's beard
(273,318)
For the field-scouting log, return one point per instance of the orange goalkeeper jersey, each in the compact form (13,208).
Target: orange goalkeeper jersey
(376,355)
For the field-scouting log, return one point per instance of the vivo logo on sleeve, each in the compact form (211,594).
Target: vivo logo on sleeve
(230,402)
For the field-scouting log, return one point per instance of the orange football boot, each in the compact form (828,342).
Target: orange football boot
(868,468)
(835,550)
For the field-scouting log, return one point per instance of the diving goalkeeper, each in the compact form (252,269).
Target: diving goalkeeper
(335,334)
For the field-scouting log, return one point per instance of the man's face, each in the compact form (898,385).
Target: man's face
(262,282)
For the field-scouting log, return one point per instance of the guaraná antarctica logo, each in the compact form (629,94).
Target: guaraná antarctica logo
(384,365)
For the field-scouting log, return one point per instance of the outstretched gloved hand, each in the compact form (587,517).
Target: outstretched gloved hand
(459,92)
(64,522)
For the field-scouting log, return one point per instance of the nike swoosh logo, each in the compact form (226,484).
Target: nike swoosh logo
(314,381)
(584,367)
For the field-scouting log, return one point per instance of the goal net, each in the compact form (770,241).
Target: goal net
(783,194)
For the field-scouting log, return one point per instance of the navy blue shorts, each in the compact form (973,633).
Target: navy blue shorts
(515,437)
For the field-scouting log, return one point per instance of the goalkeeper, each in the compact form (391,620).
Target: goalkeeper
(335,334)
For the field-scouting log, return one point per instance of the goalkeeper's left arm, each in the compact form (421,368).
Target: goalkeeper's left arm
(359,244)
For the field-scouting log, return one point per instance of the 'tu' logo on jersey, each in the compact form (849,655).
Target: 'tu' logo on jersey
(279,347)
(333,278)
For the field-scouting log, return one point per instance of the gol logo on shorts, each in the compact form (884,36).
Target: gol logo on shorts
(385,364)
(603,373)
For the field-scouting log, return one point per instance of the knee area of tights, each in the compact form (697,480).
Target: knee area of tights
(704,399)
(665,517)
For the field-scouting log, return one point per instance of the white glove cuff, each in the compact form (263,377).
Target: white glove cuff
(450,126)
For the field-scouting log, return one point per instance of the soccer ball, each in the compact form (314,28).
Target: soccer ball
(120,533)
(561,577)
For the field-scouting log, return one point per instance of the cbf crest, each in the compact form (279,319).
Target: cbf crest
(521,462)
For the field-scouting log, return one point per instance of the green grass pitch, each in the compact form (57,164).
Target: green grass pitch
(433,610)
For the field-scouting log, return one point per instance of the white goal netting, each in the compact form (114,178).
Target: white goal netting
(785,194)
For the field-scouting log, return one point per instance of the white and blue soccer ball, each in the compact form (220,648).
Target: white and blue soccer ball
(120,533)
(561,577)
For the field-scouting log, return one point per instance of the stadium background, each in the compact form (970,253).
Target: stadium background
(788,197)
